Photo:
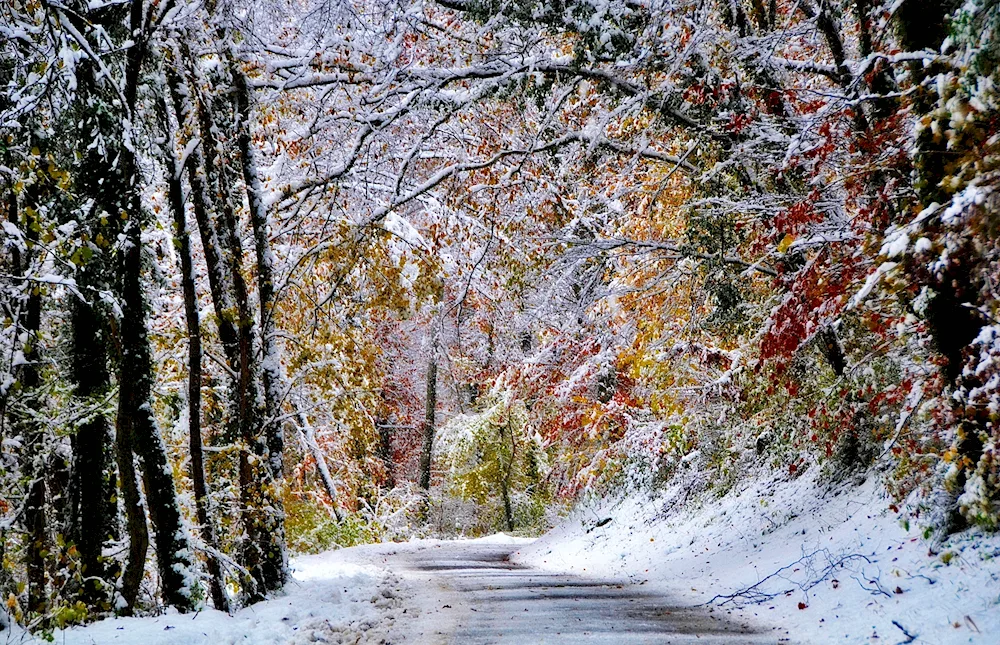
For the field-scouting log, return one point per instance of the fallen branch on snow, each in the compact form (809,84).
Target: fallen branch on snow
(757,594)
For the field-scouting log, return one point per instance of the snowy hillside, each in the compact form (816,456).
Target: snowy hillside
(815,565)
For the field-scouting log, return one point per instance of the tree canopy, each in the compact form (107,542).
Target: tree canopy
(298,272)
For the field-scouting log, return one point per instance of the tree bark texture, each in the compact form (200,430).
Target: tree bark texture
(34,508)
(262,552)
(430,407)
(194,112)
(135,516)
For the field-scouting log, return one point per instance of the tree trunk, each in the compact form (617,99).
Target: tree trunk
(7,585)
(135,516)
(25,414)
(34,520)
(91,515)
(430,406)
(34,511)
(136,370)
(385,453)
(952,313)
(508,473)
(508,513)
(271,364)
(262,551)
(880,80)
(97,175)
(196,468)
(832,349)
(202,170)
(135,390)
(276,559)
(255,496)
(89,507)
(308,439)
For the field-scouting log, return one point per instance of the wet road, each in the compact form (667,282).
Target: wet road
(468,593)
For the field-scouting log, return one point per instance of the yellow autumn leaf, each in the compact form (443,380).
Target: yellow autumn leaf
(785,243)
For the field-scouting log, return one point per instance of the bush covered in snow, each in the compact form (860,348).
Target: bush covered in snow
(493,458)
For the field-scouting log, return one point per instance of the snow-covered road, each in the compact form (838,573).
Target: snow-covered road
(467,592)
(432,592)
(830,568)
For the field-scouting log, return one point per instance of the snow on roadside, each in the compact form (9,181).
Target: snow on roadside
(842,567)
(344,596)
(330,600)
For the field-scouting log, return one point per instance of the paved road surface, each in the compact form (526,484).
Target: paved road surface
(469,594)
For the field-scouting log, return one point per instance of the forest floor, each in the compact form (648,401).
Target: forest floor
(782,559)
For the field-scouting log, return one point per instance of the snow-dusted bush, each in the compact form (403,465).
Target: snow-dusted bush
(495,459)
(312,527)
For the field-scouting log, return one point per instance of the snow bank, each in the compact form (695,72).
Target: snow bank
(330,600)
(829,567)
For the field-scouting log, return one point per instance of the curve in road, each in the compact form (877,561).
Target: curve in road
(469,593)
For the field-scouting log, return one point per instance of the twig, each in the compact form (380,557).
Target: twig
(754,594)
(909,637)
(877,589)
